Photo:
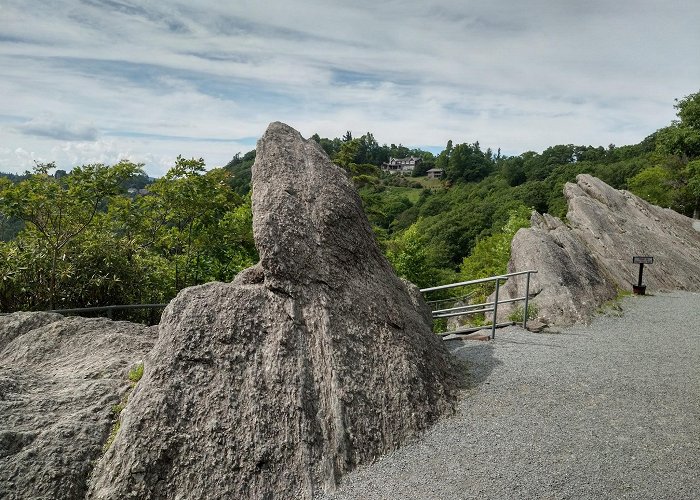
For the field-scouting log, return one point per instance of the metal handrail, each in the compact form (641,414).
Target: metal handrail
(486,306)
(475,282)
(450,299)
(109,309)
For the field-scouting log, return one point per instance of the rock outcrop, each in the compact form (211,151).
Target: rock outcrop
(59,378)
(589,261)
(314,361)
(570,283)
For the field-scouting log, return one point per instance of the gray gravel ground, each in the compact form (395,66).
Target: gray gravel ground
(609,410)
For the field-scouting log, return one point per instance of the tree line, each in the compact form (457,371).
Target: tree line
(79,239)
(85,241)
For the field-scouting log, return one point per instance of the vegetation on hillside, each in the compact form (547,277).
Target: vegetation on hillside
(85,242)
(80,239)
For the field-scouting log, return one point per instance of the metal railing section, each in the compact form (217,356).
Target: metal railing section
(109,309)
(485,307)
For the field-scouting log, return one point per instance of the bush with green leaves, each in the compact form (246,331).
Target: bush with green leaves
(518,313)
(85,242)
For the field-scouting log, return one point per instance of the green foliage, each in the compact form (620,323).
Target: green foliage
(183,215)
(76,239)
(136,373)
(239,169)
(517,315)
(467,163)
(692,187)
(654,185)
(87,244)
(440,325)
(491,254)
(689,111)
(408,255)
(58,210)
(678,147)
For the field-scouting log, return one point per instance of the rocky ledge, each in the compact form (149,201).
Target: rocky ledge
(59,381)
(587,261)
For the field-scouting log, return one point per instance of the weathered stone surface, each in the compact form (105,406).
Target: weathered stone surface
(19,323)
(617,225)
(314,361)
(536,326)
(59,378)
(569,285)
(588,262)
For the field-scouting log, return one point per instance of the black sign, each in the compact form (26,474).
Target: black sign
(642,260)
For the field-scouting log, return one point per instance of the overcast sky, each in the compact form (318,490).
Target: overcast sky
(86,81)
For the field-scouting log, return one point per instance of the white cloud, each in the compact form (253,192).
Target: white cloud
(94,80)
(53,129)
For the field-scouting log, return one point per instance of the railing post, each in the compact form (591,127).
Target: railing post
(495,309)
(527,299)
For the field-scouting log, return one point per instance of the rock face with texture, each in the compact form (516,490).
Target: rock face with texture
(588,262)
(59,378)
(312,362)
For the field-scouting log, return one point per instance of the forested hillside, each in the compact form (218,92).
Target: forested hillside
(81,239)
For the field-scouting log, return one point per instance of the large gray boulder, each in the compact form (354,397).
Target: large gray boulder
(588,262)
(570,283)
(59,378)
(312,362)
(617,225)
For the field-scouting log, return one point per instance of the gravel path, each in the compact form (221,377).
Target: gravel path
(609,410)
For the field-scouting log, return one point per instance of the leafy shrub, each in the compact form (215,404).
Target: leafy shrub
(517,315)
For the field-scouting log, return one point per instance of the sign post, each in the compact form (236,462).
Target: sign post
(640,289)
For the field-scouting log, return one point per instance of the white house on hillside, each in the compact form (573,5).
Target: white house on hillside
(401,165)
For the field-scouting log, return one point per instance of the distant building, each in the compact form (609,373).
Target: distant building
(137,192)
(435,173)
(401,165)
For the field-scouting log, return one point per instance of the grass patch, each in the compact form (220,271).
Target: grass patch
(412,194)
(116,412)
(134,376)
(136,373)
(440,325)
(614,305)
(517,315)
(428,183)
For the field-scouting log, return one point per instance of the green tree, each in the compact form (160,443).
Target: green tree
(689,111)
(60,210)
(467,163)
(183,219)
(408,253)
(239,169)
(689,196)
(654,185)
(490,255)
(513,170)
(683,136)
